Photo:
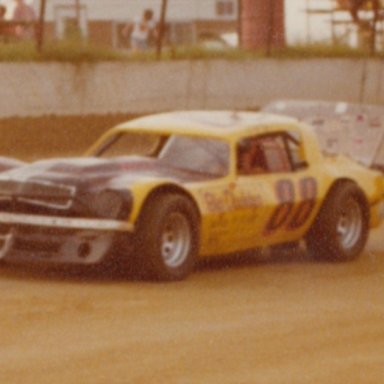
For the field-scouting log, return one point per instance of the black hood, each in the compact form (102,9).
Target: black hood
(95,173)
(7,163)
(82,187)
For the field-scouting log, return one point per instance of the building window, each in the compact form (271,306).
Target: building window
(225,8)
(70,22)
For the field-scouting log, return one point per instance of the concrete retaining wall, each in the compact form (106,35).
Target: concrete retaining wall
(33,89)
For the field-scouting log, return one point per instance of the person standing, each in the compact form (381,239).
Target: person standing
(3,29)
(24,14)
(3,11)
(6,30)
(143,31)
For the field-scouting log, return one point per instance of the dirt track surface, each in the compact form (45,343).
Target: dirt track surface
(34,138)
(292,321)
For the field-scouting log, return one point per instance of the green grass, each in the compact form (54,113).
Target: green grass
(78,52)
(319,50)
(323,50)
(18,52)
(66,51)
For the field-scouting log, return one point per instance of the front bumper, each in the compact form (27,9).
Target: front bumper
(65,222)
(25,237)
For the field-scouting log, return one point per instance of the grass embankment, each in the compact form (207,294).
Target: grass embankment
(77,52)
(53,136)
(62,52)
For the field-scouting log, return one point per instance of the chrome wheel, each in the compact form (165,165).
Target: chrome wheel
(175,240)
(167,241)
(340,231)
(350,224)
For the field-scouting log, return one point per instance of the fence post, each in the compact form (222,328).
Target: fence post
(40,28)
(160,35)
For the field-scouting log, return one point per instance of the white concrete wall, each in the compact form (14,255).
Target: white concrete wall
(34,89)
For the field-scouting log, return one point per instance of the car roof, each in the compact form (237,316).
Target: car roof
(219,124)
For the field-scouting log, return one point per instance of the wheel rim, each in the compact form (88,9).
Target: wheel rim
(350,224)
(175,240)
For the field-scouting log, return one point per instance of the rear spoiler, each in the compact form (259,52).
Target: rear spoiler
(354,130)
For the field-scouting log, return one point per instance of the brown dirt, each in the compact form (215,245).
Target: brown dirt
(53,136)
(249,321)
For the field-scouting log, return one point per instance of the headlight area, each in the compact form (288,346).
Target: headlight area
(108,204)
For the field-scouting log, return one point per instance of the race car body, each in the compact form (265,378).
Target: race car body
(163,190)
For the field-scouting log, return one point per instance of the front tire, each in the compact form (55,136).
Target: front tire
(340,231)
(167,237)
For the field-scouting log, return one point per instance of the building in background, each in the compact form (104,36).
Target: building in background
(101,21)
(336,23)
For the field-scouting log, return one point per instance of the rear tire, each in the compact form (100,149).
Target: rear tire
(167,238)
(340,231)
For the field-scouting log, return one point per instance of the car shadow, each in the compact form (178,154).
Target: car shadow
(255,258)
(68,273)
(113,273)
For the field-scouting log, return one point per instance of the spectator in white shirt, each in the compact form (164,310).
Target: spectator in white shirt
(142,32)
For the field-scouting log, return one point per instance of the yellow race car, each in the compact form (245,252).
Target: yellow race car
(164,190)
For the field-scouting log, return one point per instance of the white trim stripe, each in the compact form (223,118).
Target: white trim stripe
(65,222)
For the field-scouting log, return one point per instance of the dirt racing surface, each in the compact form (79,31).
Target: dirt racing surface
(35,138)
(249,321)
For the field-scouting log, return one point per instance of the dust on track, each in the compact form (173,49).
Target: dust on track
(245,320)
(238,321)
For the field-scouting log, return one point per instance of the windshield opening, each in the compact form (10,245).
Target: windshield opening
(203,155)
(131,144)
(193,154)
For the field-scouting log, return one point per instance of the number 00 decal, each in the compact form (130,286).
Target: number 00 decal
(287,215)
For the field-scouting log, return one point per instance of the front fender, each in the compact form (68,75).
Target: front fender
(142,192)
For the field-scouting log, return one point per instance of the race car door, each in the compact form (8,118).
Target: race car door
(274,165)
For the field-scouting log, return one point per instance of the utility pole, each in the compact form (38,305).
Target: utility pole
(40,26)
(239,23)
(160,35)
(375,18)
(77,10)
(271,27)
